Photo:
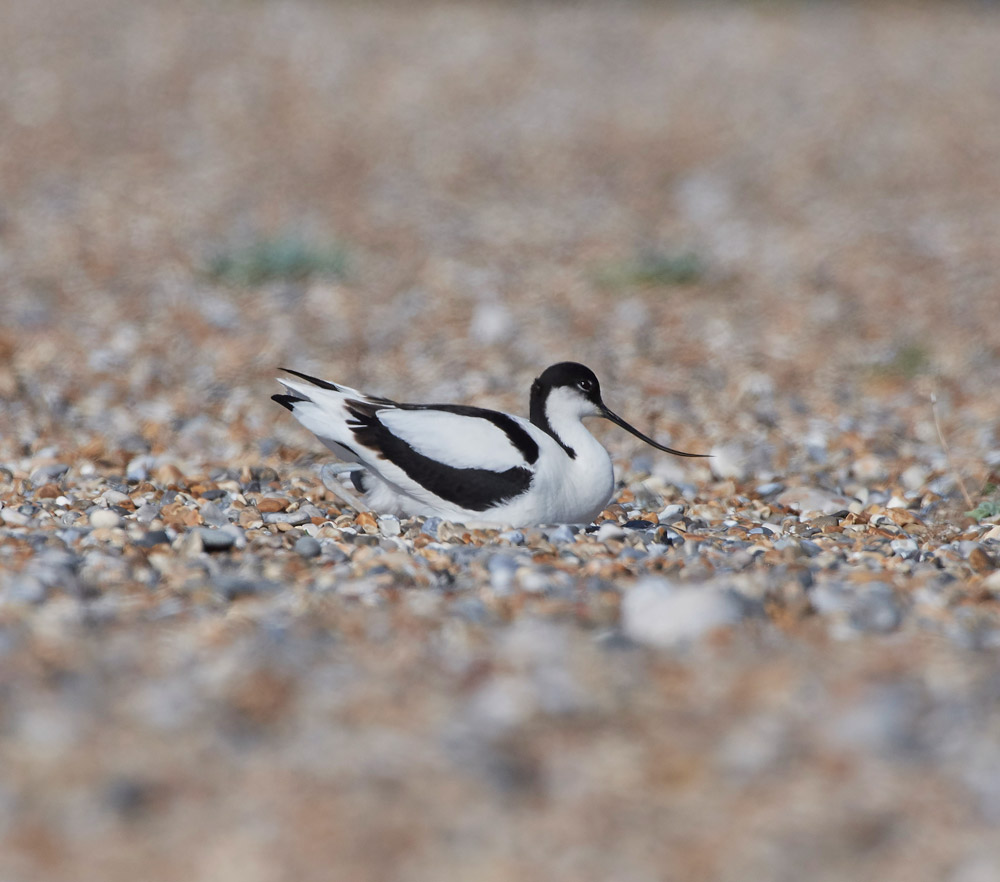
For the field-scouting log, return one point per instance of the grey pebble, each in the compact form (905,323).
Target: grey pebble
(215,539)
(671,513)
(313,511)
(430,527)
(213,515)
(514,537)
(308,547)
(561,535)
(48,473)
(295,518)
(151,538)
(905,548)
(388,525)
(139,468)
(769,489)
(25,588)
(876,609)
(233,587)
(146,512)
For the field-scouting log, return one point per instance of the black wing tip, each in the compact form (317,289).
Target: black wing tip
(287,401)
(316,381)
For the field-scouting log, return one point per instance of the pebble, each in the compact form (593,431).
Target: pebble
(292,518)
(812,499)
(657,612)
(215,539)
(671,513)
(308,547)
(905,548)
(561,535)
(875,608)
(48,473)
(609,530)
(104,518)
(388,525)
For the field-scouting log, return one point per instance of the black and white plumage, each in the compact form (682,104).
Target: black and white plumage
(470,464)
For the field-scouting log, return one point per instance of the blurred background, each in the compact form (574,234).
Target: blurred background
(756,221)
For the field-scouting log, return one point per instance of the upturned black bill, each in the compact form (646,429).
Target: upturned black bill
(611,415)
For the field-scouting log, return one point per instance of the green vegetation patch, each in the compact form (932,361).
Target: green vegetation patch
(282,258)
(652,269)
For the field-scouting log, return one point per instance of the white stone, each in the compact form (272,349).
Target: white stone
(914,477)
(655,612)
(105,518)
(812,499)
(609,530)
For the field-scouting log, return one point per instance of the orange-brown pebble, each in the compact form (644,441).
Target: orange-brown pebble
(902,517)
(178,515)
(168,474)
(48,491)
(271,504)
(366,521)
(981,561)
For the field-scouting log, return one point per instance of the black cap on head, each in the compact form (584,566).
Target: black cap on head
(568,374)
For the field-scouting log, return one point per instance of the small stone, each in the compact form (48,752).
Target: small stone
(367,522)
(981,560)
(14,518)
(151,538)
(769,489)
(914,477)
(48,491)
(903,518)
(638,524)
(671,513)
(430,526)
(905,548)
(213,515)
(502,569)
(869,469)
(271,504)
(609,530)
(25,589)
(658,613)
(308,547)
(561,535)
(48,473)
(876,609)
(138,468)
(292,518)
(176,514)
(388,525)
(812,499)
(168,474)
(215,539)
(105,518)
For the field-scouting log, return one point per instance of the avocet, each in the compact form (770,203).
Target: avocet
(471,464)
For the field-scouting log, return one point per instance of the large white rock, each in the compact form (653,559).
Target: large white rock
(657,612)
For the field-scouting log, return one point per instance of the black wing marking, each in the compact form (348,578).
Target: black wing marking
(316,381)
(469,488)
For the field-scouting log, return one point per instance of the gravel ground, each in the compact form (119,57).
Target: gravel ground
(774,232)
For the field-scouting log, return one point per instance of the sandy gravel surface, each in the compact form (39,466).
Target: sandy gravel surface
(773,230)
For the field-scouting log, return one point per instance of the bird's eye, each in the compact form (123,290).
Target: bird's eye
(586,385)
